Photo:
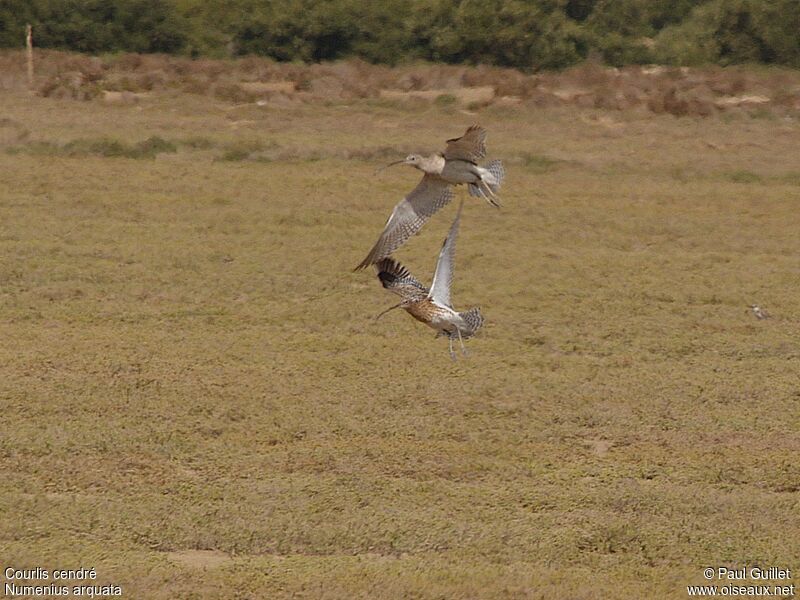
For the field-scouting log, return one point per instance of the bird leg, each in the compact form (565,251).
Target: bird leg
(481,190)
(388,309)
(452,354)
(491,197)
(487,193)
(461,341)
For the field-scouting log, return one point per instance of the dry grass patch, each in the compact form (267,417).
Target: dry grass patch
(199,559)
(198,402)
(678,91)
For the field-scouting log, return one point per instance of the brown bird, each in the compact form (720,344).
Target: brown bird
(457,164)
(433,306)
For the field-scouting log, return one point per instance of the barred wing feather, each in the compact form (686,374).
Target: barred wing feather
(408,217)
(396,278)
(470,147)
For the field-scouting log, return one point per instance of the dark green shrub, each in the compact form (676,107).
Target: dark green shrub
(735,31)
(94,26)
(527,34)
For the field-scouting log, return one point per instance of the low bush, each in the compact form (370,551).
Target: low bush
(525,34)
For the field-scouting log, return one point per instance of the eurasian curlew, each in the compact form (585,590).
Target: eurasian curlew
(457,164)
(433,306)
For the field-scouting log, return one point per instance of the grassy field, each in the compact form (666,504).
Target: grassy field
(197,402)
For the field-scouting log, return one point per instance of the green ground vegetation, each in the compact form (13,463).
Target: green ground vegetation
(197,402)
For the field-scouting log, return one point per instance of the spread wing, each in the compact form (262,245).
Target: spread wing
(396,278)
(408,217)
(470,147)
(443,277)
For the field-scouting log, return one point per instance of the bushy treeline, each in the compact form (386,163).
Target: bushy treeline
(95,25)
(529,34)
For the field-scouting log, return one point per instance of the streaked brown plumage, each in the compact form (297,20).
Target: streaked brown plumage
(470,147)
(433,306)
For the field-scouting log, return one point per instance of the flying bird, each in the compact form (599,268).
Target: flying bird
(432,306)
(456,165)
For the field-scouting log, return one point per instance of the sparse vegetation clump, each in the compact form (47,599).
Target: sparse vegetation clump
(248,150)
(743,176)
(539,163)
(107,147)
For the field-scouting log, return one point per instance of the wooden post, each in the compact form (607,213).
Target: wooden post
(29,44)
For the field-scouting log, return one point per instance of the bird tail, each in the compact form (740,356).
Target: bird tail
(474,320)
(497,173)
(492,176)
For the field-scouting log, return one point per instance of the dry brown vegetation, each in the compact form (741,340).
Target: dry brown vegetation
(197,402)
(677,91)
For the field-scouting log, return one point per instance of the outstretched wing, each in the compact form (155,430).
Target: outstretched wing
(396,278)
(443,277)
(408,217)
(470,147)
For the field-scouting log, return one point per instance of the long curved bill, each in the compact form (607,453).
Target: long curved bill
(387,310)
(397,162)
